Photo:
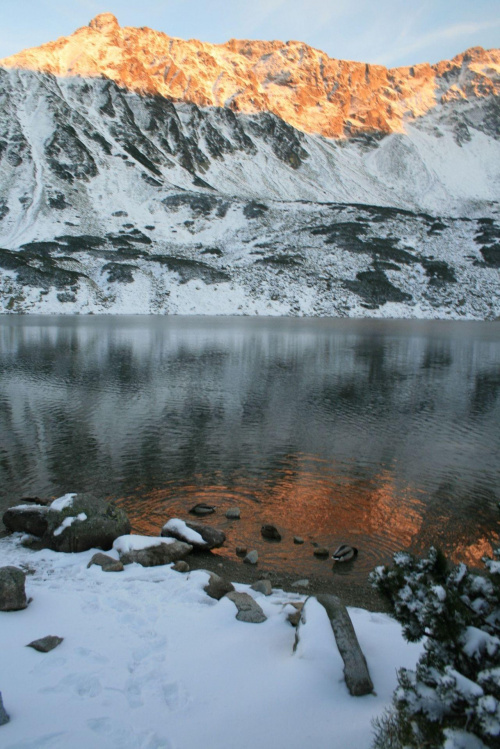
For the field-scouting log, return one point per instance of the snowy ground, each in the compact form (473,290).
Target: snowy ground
(149,661)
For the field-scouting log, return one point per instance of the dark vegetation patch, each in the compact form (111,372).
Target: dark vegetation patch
(199,204)
(189,269)
(44,275)
(375,288)
(58,201)
(126,240)
(488,237)
(120,214)
(150,228)
(436,228)
(283,260)
(141,158)
(81,242)
(66,296)
(254,209)
(119,272)
(438,271)
(212,251)
(4,209)
(199,182)
(351,237)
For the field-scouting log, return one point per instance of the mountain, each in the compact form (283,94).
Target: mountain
(142,173)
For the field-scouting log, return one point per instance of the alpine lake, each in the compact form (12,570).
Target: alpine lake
(381,434)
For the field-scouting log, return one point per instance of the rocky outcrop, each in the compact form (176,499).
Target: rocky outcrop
(12,592)
(303,86)
(73,523)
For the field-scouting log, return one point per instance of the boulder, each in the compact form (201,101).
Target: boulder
(72,523)
(217,587)
(201,537)
(12,593)
(270,532)
(356,674)
(234,513)
(294,616)
(106,563)
(263,586)
(248,609)
(202,509)
(154,554)
(4,716)
(23,518)
(252,557)
(181,566)
(45,644)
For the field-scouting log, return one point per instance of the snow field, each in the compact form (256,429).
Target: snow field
(149,661)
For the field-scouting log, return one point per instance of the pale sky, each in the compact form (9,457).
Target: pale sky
(388,32)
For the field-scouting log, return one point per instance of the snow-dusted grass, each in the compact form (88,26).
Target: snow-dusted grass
(149,661)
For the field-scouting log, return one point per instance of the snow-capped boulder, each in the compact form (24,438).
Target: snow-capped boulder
(150,551)
(12,593)
(200,536)
(72,523)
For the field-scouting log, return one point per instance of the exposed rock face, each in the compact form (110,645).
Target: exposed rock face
(302,85)
(12,593)
(83,523)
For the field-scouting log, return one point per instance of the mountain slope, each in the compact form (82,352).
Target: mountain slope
(116,198)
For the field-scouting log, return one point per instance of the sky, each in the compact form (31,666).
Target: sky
(387,32)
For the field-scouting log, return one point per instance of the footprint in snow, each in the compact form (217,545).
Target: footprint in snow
(84,686)
(126,738)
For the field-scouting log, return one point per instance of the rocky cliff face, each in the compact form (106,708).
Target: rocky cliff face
(299,84)
(140,173)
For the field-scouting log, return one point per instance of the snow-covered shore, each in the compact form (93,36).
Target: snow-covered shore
(149,661)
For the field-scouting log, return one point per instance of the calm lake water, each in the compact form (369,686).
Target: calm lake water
(381,434)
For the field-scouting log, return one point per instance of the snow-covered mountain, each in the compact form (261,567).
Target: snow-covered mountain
(140,173)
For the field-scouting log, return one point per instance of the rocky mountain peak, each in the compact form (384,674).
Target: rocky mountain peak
(104,22)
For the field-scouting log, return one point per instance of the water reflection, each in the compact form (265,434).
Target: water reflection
(382,434)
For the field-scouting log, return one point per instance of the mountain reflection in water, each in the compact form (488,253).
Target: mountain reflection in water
(381,434)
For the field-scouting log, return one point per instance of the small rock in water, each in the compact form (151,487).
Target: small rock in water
(298,540)
(233,513)
(248,609)
(202,509)
(263,586)
(181,566)
(270,532)
(322,552)
(301,584)
(106,563)
(252,557)
(4,716)
(241,550)
(45,644)
(12,593)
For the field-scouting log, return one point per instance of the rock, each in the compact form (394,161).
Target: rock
(294,616)
(45,644)
(345,553)
(252,557)
(73,523)
(106,563)
(12,593)
(298,540)
(4,716)
(357,676)
(211,538)
(248,609)
(30,519)
(321,552)
(234,513)
(263,586)
(181,566)
(270,532)
(300,584)
(241,550)
(202,509)
(158,554)
(217,587)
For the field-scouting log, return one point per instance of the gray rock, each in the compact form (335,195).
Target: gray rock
(252,557)
(217,587)
(248,609)
(61,530)
(270,532)
(212,537)
(234,513)
(4,716)
(357,676)
(181,566)
(154,556)
(298,540)
(300,583)
(106,563)
(26,519)
(45,644)
(294,616)
(202,509)
(12,593)
(321,552)
(263,586)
